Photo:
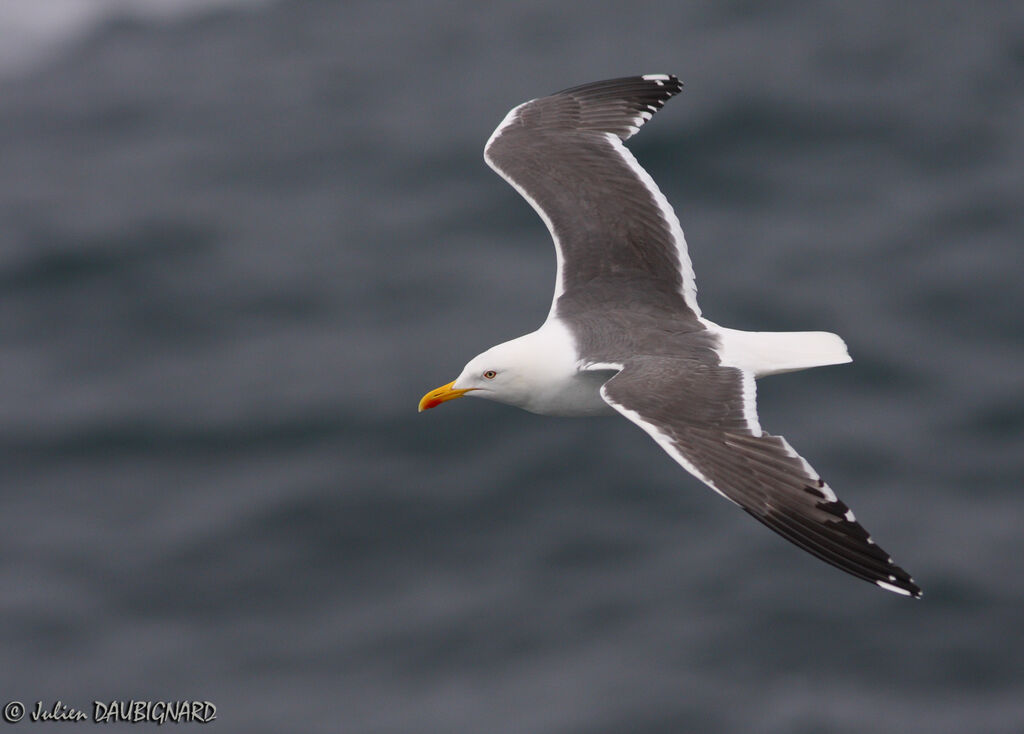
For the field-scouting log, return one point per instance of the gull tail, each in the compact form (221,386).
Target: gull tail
(774,352)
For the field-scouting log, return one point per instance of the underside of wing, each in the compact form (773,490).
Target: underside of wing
(705,419)
(609,220)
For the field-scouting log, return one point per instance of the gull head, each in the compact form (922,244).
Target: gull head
(507,373)
(539,372)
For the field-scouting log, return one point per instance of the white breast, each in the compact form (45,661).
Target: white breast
(558,386)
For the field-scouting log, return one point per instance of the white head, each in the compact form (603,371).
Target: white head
(524,372)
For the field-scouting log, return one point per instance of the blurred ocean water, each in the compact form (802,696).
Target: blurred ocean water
(240,239)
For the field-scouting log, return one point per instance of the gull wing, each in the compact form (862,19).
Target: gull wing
(608,219)
(705,417)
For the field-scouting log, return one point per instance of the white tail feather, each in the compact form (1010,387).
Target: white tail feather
(773,352)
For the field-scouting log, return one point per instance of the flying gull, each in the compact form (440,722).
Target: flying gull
(625,335)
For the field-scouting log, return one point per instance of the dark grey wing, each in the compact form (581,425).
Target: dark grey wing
(705,417)
(609,220)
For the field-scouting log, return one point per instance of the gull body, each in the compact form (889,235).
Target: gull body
(625,335)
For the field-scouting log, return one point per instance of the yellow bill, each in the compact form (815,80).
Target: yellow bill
(442,394)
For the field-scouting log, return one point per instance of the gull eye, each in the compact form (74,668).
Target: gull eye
(490,374)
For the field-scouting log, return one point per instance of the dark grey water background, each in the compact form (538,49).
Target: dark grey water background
(237,246)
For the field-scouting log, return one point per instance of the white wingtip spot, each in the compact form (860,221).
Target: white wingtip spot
(890,587)
(849,516)
(659,78)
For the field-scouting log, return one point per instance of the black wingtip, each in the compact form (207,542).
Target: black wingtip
(652,87)
(668,80)
(620,106)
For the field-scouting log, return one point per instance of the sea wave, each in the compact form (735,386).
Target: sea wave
(32,33)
